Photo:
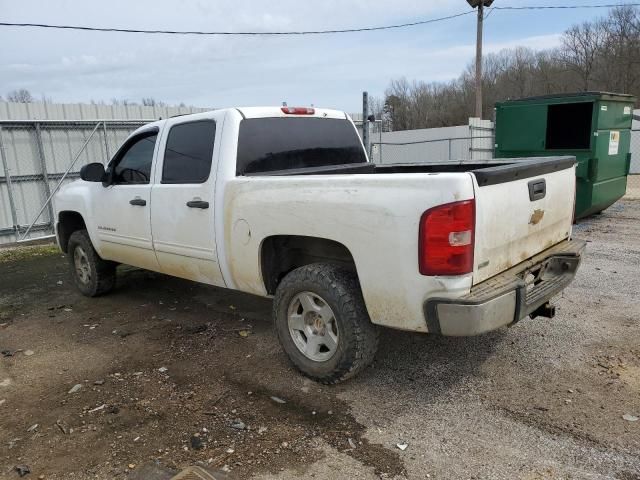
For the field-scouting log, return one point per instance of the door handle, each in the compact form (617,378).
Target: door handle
(198,204)
(537,189)
(138,201)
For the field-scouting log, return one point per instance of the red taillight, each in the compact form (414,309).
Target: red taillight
(298,110)
(446,239)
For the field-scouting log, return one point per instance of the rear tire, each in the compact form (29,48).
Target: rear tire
(92,275)
(322,323)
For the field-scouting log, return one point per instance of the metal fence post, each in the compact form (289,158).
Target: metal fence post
(365,120)
(380,146)
(450,149)
(7,176)
(45,176)
(106,143)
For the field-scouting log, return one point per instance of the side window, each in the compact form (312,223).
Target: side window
(134,164)
(189,152)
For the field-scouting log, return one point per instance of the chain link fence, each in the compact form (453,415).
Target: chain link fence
(36,157)
(633,182)
(464,143)
(441,150)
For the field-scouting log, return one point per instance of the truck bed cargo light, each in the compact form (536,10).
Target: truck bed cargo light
(298,110)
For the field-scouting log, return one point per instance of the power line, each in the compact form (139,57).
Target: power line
(490,12)
(197,32)
(300,32)
(566,7)
(560,7)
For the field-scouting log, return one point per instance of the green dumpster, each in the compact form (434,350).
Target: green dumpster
(595,127)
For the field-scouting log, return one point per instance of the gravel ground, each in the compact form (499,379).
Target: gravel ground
(633,187)
(544,399)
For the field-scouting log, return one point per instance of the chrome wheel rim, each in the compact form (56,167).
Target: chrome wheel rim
(81,263)
(313,326)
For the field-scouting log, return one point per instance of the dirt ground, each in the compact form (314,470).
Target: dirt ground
(169,369)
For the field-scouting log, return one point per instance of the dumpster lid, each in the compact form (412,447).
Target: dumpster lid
(581,96)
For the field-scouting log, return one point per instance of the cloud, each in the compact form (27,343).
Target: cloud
(218,71)
(468,51)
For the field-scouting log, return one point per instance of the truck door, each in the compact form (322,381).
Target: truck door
(182,209)
(121,211)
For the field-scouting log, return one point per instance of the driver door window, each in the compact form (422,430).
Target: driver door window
(134,165)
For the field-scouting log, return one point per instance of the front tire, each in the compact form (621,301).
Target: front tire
(322,323)
(92,275)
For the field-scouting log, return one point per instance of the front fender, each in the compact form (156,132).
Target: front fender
(77,197)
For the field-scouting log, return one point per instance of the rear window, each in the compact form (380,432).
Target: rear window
(270,144)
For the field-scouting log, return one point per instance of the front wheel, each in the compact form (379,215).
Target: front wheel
(322,322)
(92,275)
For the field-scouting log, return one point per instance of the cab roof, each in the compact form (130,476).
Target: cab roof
(255,112)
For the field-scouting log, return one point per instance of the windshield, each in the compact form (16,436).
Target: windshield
(270,144)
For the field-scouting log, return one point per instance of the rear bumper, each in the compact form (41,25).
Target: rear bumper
(508,297)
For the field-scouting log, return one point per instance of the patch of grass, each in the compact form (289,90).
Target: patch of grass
(14,254)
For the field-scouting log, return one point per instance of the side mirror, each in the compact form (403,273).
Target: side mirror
(92,172)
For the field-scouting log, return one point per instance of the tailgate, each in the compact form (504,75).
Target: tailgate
(522,209)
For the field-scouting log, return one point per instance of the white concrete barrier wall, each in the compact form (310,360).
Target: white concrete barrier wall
(635,145)
(472,142)
(86,111)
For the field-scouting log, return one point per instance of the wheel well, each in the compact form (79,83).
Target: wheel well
(281,254)
(68,222)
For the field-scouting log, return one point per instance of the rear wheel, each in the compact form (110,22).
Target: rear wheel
(92,275)
(322,322)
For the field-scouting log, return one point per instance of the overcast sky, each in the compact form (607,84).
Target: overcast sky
(330,71)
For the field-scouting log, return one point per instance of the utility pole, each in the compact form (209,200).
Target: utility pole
(365,120)
(479,4)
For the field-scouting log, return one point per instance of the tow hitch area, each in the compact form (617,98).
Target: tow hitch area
(547,310)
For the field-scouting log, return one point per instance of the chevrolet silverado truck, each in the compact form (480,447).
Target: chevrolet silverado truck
(283,203)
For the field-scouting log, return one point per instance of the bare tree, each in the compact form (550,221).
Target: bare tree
(548,73)
(122,101)
(397,104)
(582,45)
(603,54)
(21,95)
(152,102)
(620,59)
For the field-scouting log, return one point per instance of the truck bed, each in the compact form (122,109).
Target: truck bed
(506,233)
(486,173)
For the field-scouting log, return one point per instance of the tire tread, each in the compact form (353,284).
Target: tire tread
(105,271)
(363,342)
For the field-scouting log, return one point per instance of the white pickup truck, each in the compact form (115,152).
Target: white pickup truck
(283,203)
